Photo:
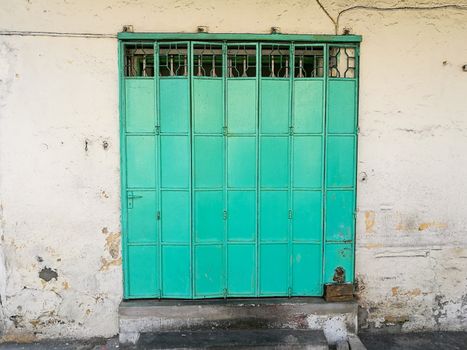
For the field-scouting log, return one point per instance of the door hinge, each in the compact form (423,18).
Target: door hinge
(290,214)
(157,129)
(225,131)
(358,130)
(289,292)
(225,293)
(225,214)
(291,130)
(158,215)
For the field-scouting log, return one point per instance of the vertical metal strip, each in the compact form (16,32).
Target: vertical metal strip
(190,189)
(258,76)
(258,172)
(192,197)
(291,149)
(158,195)
(123,179)
(225,155)
(324,181)
(357,87)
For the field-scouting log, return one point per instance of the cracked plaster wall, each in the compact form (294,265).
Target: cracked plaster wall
(60,264)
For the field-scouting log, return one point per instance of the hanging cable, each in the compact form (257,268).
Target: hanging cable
(58,34)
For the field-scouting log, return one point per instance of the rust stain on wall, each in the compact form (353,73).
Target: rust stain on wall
(374,245)
(434,225)
(107,264)
(396,291)
(112,244)
(369,221)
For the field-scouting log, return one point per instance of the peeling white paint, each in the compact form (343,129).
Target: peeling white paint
(57,197)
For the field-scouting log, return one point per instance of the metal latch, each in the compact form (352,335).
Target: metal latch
(290,214)
(131,196)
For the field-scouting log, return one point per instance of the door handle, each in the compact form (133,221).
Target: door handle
(131,197)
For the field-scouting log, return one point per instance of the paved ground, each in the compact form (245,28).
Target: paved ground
(373,341)
(92,344)
(416,341)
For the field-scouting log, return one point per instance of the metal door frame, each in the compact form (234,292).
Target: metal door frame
(225,39)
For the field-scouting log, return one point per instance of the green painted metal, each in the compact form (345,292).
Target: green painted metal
(237,186)
(241,37)
(340,182)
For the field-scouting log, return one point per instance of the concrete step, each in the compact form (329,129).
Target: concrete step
(154,316)
(238,339)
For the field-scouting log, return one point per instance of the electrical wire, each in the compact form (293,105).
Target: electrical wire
(57,34)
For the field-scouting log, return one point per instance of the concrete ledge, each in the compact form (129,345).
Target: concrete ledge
(149,316)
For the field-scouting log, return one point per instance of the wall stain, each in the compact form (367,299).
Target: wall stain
(112,244)
(369,221)
(47,274)
(396,291)
(373,245)
(107,264)
(433,225)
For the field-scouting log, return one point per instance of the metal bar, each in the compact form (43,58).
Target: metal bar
(224,187)
(241,37)
(324,165)
(157,152)
(357,99)
(291,172)
(192,200)
(123,180)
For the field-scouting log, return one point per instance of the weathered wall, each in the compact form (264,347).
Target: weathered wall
(60,264)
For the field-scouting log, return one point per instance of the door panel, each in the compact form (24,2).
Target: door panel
(274,220)
(140,102)
(340,161)
(241,270)
(274,166)
(339,215)
(175,216)
(307,269)
(307,216)
(209,161)
(338,255)
(208,106)
(209,216)
(143,271)
(174,105)
(175,161)
(209,270)
(274,267)
(341,110)
(241,207)
(241,163)
(142,224)
(308,106)
(176,271)
(241,105)
(141,161)
(307,161)
(275,106)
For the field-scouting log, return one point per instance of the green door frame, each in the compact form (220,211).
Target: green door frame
(328,41)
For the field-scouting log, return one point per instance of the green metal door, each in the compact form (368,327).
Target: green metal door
(238,167)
